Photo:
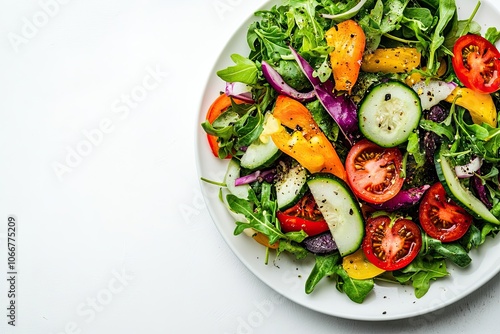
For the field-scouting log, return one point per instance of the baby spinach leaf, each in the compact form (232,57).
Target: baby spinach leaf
(492,35)
(451,251)
(357,290)
(248,129)
(471,239)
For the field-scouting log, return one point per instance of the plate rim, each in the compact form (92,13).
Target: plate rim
(201,150)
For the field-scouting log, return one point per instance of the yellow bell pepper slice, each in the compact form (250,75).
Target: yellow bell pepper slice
(480,106)
(391,60)
(358,267)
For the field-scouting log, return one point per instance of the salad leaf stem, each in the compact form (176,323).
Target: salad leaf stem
(399,39)
(215,183)
(469,20)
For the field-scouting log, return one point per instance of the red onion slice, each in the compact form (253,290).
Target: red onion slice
(240,91)
(276,81)
(469,169)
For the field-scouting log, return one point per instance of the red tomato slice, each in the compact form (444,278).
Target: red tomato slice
(477,63)
(374,172)
(391,245)
(440,217)
(304,215)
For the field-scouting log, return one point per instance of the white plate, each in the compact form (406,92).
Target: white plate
(287,276)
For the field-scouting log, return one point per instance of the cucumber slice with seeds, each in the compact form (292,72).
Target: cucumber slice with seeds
(389,113)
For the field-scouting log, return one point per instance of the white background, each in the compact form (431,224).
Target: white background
(97,162)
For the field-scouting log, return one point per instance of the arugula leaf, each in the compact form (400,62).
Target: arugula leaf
(257,218)
(325,265)
(447,11)
(304,13)
(438,128)
(417,20)
(357,290)
(244,71)
(420,273)
(237,127)
(370,22)
(482,140)
(268,42)
(393,14)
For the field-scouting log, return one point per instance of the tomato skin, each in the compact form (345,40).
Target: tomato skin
(304,215)
(477,63)
(391,245)
(440,217)
(374,172)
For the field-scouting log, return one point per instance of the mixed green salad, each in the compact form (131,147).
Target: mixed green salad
(363,134)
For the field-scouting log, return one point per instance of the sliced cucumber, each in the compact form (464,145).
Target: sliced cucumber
(389,113)
(340,209)
(232,173)
(260,155)
(291,186)
(457,191)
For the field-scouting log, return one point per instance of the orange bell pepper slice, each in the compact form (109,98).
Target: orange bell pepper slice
(220,104)
(307,144)
(348,40)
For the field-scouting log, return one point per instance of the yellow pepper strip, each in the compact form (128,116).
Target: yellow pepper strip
(480,106)
(391,60)
(348,40)
(358,267)
(307,143)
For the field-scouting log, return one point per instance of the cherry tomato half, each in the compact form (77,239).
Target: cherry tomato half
(391,245)
(374,172)
(440,217)
(304,215)
(477,63)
